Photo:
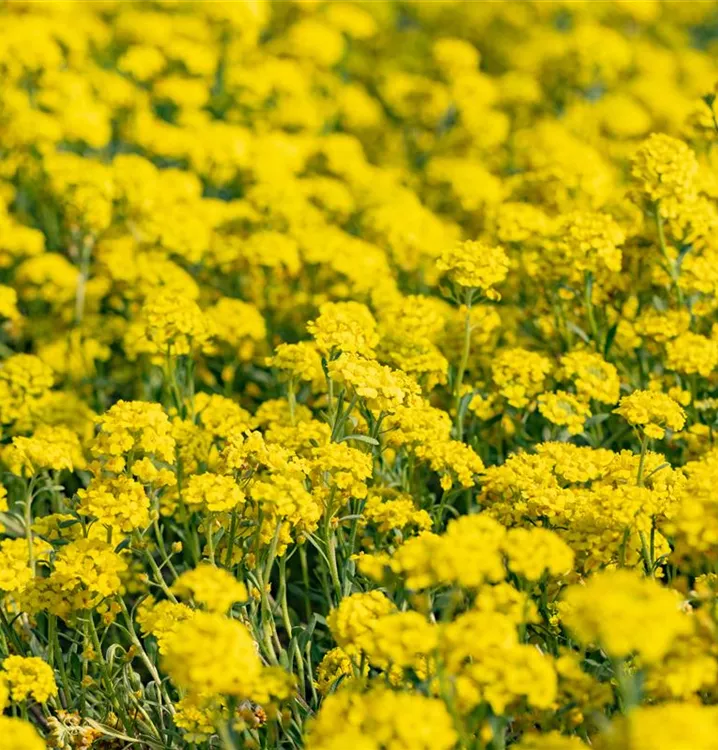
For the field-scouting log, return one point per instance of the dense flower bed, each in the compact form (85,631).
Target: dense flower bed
(359,375)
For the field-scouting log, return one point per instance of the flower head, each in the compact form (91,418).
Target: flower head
(653,412)
(475,265)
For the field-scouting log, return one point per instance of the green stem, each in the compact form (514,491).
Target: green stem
(310,672)
(55,658)
(588,295)
(286,619)
(647,557)
(28,528)
(272,553)
(642,461)
(330,395)
(330,544)
(670,265)
(160,578)
(646,554)
(210,537)
(11,634)
(292,399)
(226,736)
(230,542)
(305,580)
(463,362)
(627,686)
(151,668)
(333,568)
(106,677)
(163,550)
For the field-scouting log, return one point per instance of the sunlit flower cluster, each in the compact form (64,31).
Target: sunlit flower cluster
(358,375)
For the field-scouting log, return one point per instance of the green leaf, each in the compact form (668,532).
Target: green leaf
(360,438)
(579,332)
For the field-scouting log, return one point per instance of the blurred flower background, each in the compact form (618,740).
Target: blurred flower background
(359,375)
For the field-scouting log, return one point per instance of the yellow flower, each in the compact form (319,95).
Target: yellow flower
(212,655)
(691,353)
(653,412)
(625,614)
(119,503)
(24,379)
(593,377)
(18,734)
(356,615)
(531,552)
(238,324)
(87,571)
(15,571)
(519,375)
(455,462)
(343,467)
(161,619)
(336,664)
(486,662)
(475,265)
(8,303)
(134,427)
(197,718)
(665,169)
(213,492)
(212,587)
(564,409)
(380,387)
(29,676)
(301,361)
(401,639)
(585,242)
(176,325)
(468,554)
(382,718)
(55,448)
(220,415)
(671,726)
(344,326)
(142,61)
(398,512)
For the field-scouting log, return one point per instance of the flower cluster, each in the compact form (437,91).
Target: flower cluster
(358,375)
